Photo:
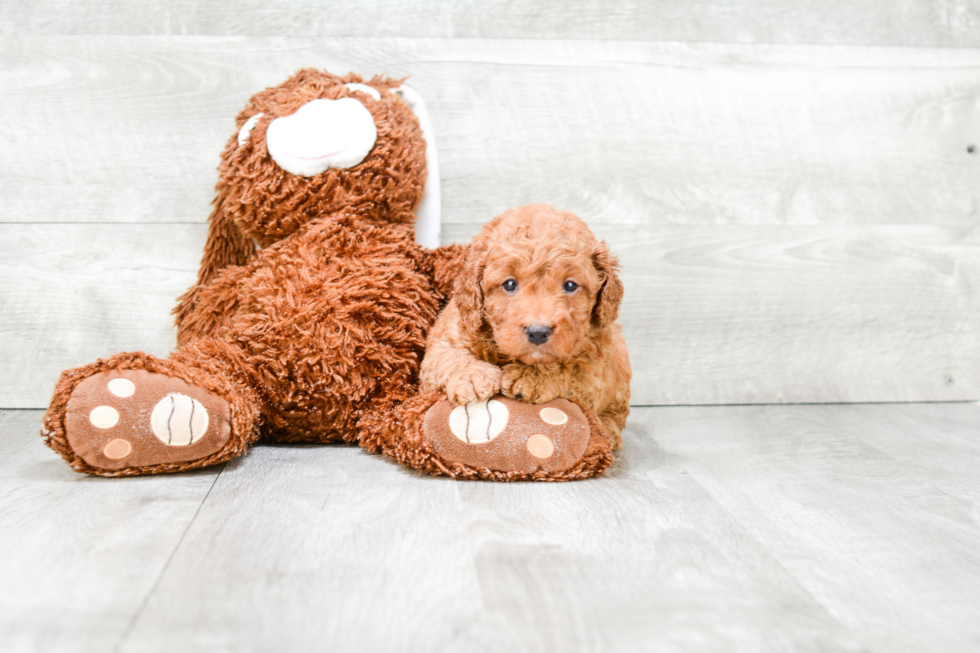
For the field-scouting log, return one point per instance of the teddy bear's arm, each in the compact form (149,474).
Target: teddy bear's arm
(226,245)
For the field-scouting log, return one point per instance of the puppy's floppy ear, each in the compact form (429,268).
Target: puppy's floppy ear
(468,290)
(610,294)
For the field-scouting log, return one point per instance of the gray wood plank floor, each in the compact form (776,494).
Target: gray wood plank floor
(752,528)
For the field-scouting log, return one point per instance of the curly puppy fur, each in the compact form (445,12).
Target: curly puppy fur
(534,316)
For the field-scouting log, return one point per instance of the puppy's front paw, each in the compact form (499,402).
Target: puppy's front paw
(524,382)
(475,382)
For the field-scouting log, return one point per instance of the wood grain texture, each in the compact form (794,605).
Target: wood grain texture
(72,293)
(797,223)
(128,129)
(712,315)
(79,555)
(872,509)
(356,553)
(870,22)
(762,528)
(721,315)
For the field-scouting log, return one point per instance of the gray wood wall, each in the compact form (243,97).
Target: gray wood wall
(792,187)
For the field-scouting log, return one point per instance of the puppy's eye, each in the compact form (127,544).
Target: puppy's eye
(510,285)
(570,286)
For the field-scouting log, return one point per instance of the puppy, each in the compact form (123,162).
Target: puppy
(534,316)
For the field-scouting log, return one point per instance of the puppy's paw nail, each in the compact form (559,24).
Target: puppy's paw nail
(518,396)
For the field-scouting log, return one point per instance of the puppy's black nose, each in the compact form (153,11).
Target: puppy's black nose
(538,335)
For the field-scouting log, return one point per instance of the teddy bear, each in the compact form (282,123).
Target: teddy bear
(309,316)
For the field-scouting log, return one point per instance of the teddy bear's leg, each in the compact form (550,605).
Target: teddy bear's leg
(136,414)
(500,439)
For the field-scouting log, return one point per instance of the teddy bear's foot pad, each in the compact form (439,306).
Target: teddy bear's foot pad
(135,418)
(505,435)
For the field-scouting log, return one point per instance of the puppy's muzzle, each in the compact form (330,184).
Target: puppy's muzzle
(537,334)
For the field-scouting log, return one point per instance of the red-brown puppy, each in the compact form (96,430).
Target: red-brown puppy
(534,316)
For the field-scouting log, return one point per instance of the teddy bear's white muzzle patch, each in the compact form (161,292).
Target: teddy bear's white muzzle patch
(323,134)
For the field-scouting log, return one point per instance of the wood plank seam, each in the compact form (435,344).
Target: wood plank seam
(156,583)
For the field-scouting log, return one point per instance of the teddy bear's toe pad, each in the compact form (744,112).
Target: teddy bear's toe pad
(135,418)
(506,435)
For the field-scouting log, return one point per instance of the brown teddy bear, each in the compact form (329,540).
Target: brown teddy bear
(310,313)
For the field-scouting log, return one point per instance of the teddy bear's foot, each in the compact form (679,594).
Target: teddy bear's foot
(132,421)
(505,439)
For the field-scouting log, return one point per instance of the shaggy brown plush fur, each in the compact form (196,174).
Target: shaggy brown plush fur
(313,300)
(535,267)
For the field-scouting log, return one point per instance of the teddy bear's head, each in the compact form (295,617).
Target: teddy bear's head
(318,143)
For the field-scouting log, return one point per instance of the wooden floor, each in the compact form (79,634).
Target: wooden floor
(762,528)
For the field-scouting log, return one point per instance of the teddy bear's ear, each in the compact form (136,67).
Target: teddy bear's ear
(428,216)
